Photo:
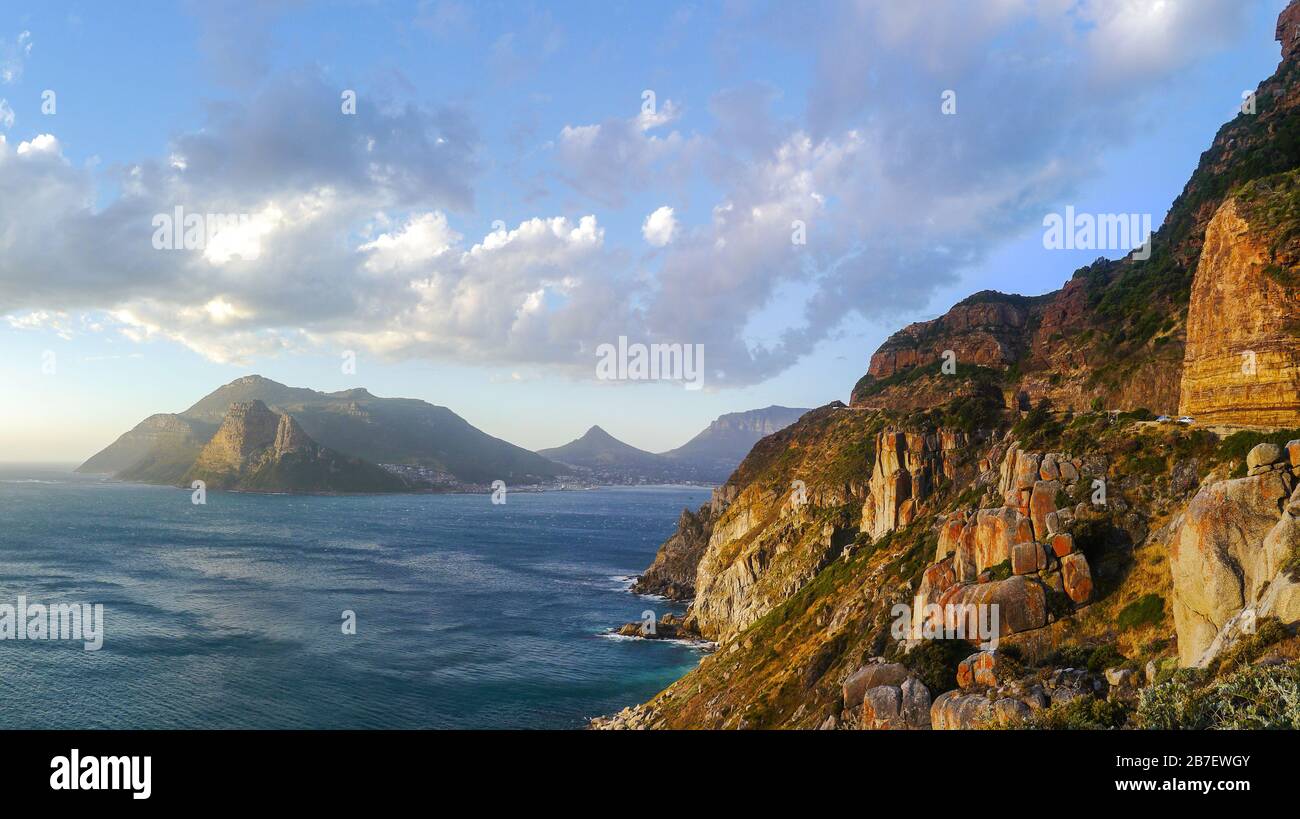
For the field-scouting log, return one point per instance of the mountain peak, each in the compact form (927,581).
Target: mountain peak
(253,381)
(1288,29)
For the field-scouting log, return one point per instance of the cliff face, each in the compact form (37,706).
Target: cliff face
(672,575)
(986,333)
(1243,328)
(248,429)
(1115,550)
(256,449)
(1116,331)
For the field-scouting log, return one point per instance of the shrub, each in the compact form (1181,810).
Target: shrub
(1002,571)
(1079,714)
(935,663)
(1249,699)
(1147,610)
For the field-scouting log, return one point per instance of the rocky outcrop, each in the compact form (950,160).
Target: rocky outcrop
(908,466)
(1025,539)
(884,696)
(986,330)
(1242,364)
(248,429)
(258,450)
(672,574)
(1234,540)
(1288,30)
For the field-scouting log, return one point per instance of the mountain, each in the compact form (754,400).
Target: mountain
(427,443)
(837,562)
(597,448)
(256,449)
(158,450)
(602,458)
(1120,332)
(709,457)
(721,446)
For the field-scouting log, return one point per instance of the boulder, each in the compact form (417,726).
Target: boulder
(1077,577)
(1069,474)
(916,703)
(1293,454)
(1027,464)
(872,675)
(1048,470)
(1218,560)
(966,563)
(1041,503)
(935,580)
(1021,604)
(957,711)
(997,530)
(983,668)
(1009,711)
(1263,455)
(950,532)
(1062,544)
(882,708)
(1027,558)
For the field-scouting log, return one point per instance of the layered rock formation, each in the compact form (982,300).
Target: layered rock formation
(907,468)
(1242,365)
(987,329)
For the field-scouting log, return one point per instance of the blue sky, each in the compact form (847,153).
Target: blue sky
(520,120)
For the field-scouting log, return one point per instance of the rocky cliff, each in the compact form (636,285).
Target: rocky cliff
(1242,365)
(984,546)
(1117,331)
(672,575)
(256,449)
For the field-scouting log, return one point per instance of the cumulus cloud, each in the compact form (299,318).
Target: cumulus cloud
(864,202)
(659,227)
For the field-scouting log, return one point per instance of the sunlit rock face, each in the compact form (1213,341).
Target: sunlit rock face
(1242,365)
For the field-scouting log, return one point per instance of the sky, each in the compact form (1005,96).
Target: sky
(462,202)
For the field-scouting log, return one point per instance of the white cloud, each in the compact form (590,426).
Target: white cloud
(13,55)
(6,114)
(351,241)
(424,237)
(608,160)
(41,144)
(659,227)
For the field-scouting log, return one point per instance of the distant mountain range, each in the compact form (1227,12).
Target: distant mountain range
(256,434)
(709,457)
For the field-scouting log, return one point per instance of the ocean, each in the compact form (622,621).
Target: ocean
(230,614)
